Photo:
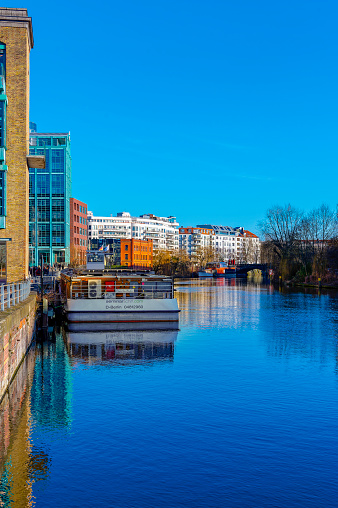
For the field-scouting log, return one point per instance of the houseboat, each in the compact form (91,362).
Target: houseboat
(122,298)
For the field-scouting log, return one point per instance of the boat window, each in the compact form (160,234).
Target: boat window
(95,257)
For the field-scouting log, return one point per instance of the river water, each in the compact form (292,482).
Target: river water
(239,408)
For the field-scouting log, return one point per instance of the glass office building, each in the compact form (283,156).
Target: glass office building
(49,195)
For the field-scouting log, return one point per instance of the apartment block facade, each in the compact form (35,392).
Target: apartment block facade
(163,231)
(16,42)
(49,199)
(193,239)
(230,244)
(78,231)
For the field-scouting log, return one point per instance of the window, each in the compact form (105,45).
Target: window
(32,235)
(2,123)
(58,210)
(43,234)
(2,192)
(59,141)
(58,159)
(126,256)
(126,247)
(58,234)
(44,141)
(31,184)
(32,216)
(42,185)
(3,103)
(3,260)
(43,210)
(58,185)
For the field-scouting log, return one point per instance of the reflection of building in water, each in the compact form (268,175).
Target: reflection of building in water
(52,385)
(94,347)
(20,463)
(220,302)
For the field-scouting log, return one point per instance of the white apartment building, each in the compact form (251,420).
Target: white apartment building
(162,230)
(248,248)
(195,238)
(234,243)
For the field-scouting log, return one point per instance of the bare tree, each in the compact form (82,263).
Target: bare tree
(298,243)
(322,226)
(204,255)
(250,250)
(282,228)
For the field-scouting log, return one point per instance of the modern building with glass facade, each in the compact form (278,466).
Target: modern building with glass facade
(49,198)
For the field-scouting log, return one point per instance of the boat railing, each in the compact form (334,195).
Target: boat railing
(99,289)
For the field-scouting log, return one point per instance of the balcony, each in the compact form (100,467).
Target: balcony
(36,161)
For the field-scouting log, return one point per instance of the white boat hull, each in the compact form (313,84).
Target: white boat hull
(124,311)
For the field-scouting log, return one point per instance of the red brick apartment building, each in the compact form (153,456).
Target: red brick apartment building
(78,232)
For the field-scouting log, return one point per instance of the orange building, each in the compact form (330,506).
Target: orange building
(137,254)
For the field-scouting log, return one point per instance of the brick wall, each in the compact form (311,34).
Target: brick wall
(16,333)
(17,90)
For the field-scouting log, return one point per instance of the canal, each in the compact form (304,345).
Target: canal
(239,408)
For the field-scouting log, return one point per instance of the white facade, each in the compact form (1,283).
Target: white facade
(193,239)
(235,243)
(162,230)
(248,248)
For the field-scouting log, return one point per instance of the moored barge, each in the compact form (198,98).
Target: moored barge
(119,298)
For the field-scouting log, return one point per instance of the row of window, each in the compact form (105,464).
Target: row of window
(80,231)
(41,235)
(80,208)
(43,210)
(55,161)
(80,241)
(137,257)
(79,219)
(49,141)
(143,248)
(43,185)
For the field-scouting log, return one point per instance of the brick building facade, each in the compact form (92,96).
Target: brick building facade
(78,232)
(137,254)
(16,41)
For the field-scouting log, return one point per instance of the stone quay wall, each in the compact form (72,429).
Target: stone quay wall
(16,333)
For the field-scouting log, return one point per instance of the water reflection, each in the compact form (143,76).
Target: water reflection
(101,347)
(52,386)
(18,458)
(250,400)
(218,303)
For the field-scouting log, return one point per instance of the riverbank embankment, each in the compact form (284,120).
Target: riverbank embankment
(16,333)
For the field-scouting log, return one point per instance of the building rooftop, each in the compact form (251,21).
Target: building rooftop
(32,134)
(249,234)
(17,17)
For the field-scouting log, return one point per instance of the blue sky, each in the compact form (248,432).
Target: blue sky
(210,111)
